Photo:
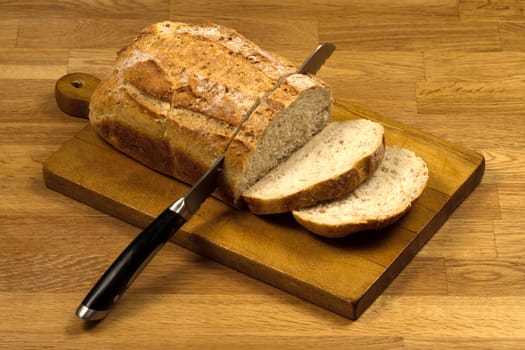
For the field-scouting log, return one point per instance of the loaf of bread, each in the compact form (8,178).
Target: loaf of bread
(378,202)
(334,162)
(178,92)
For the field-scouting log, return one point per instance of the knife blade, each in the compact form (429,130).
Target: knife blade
(130,263)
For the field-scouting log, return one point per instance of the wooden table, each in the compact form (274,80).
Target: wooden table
(451,68)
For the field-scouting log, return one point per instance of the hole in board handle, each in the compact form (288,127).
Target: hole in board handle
(77,84)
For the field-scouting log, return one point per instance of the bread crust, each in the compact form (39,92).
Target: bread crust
(345,229)
(329,189)
(149,136)
(205,68)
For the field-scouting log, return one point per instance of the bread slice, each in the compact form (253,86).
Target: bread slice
(332,163)
(178,92)
(284,121)
(377,203)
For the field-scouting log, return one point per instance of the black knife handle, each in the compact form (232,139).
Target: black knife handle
(121,274)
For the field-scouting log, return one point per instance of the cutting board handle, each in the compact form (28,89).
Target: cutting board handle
(73,92)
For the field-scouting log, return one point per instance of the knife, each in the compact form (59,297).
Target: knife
(126,268)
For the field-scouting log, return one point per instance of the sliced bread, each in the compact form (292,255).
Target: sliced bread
(284,121)
(333,162)
(179,91)
(378,202)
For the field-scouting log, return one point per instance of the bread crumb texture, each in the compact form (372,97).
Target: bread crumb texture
(382,198)
(332,152)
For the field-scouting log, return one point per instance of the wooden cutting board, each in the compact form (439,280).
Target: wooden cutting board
(344,276)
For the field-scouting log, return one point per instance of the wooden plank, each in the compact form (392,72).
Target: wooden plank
(34,100)
(344,276)
(32,63)
(383,81)
(22,172)
(356,11)
(98,62)
(457,234)
(28,9)
(461,343)
(447,317)
(237,342)
(485,277)
(74,33)
(493,97)
(501,149)
(412,37)
(483,203)
(423,276)
(508,163)
(19,240)
(511,199)
(392,12)
(8,32)
(493,10)
(277,9)
(474,66)
(512,36)
(509,237)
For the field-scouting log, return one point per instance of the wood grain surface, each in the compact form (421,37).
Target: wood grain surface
(452,68)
